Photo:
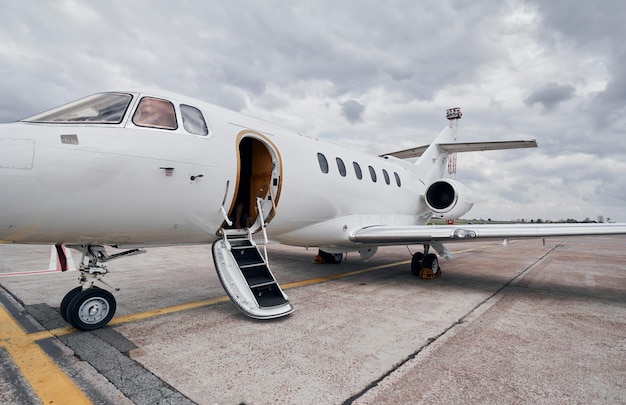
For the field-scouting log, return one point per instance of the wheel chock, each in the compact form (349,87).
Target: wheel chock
(428,274)
(319,260)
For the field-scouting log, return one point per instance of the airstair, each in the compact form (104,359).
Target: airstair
(246,276)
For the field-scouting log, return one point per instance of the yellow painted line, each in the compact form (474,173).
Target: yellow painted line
(341,275)
(118,320)
(48,381)
(167,310)
(224,298)
(45,334)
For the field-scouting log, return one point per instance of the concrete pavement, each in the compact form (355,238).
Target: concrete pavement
(517,324)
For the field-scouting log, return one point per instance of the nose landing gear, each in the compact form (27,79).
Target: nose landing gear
(89,307)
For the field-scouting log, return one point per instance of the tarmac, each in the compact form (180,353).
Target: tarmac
(524,323)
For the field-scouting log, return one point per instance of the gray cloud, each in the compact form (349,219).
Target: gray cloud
(597,31)
(353,110)
(407,61)
(550,95)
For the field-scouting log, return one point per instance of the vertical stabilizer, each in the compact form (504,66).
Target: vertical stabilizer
(431,165)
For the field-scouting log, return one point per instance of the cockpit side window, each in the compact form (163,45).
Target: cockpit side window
(100,108)
(155,113)
(193,121)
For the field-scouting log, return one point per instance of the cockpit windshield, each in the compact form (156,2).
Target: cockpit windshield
(101,108)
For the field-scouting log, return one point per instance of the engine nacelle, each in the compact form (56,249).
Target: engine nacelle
(449,199)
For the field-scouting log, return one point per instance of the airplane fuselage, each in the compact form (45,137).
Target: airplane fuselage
(126,184)
(135,169)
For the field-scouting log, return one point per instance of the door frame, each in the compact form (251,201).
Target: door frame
(259,173)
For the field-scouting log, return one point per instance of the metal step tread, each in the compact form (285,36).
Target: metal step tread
(255,284)
(269,296)
(258,276)
(251,263)
(248,257)
(240,243)
(243,247)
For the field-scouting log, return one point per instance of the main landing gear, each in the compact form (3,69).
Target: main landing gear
(330,258)
(89,307)
(425,265)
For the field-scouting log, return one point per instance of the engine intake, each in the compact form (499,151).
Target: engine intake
(449,199)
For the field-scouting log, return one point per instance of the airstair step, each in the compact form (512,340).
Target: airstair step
(269,296)
(240,243)
(247,278)
(247,257)
(258,276)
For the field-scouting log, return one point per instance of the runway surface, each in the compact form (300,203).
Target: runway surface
(525,323)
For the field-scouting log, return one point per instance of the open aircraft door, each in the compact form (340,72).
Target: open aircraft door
(243,271)
(258,182)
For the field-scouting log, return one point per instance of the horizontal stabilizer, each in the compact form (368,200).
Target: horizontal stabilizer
(465,147)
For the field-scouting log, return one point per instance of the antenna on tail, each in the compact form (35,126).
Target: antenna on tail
(453,115)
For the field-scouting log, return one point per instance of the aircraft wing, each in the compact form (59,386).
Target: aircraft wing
(419,234)
(465,147)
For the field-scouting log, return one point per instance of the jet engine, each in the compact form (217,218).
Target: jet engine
(449,199)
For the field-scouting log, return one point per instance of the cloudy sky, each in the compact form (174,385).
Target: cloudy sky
(375,76)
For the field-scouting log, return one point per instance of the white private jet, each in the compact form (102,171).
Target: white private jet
(133,169)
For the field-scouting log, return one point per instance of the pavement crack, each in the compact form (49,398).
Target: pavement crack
(460,321)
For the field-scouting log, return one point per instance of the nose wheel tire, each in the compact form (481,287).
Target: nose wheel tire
(90,309)
(66,301)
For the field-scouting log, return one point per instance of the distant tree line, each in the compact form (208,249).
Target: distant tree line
(599,219)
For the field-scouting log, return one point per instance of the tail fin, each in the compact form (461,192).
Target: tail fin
(432,163)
